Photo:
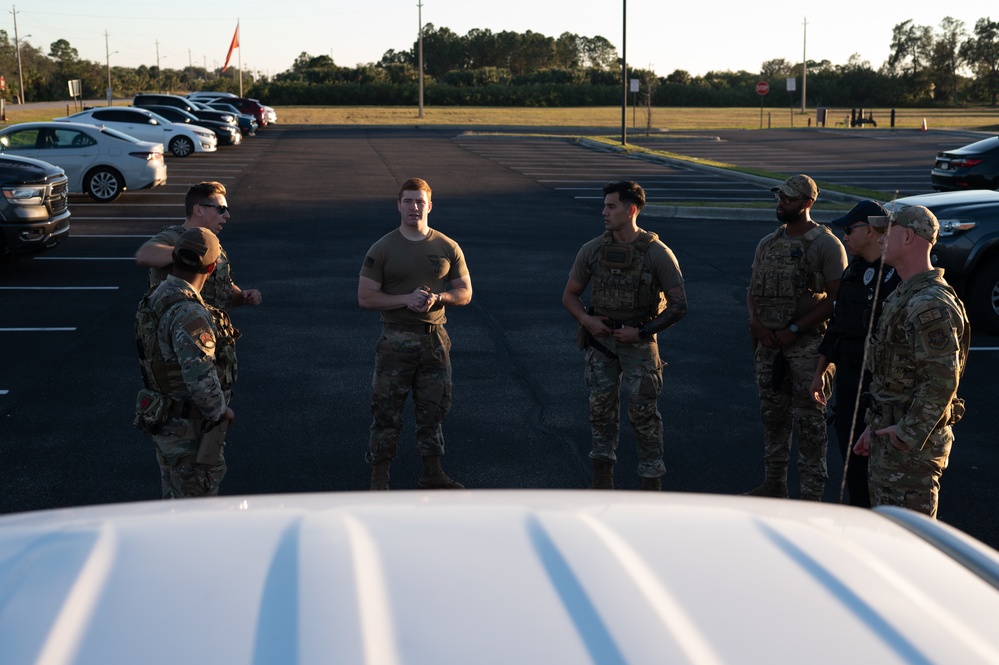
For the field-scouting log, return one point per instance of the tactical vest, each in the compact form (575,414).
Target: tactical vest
(855,300)
(782,277)
(165,377)
(623,282)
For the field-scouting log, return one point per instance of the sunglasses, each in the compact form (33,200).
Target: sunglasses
(849,229)
(220,209)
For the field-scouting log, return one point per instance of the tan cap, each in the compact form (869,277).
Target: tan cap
(798,186)
(917,218)
(196,249)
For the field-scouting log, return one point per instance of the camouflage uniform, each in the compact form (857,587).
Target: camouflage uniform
(219,288)
(917,357)
(789,276)
(189,365)
(628,296)
(413,352)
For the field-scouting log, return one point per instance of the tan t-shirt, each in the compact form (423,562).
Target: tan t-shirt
(401,266)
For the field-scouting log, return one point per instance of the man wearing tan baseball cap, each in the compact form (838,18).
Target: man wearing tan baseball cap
(917,356)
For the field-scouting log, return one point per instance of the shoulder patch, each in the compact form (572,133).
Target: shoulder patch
(201,332)
(930,316)
(936,339)
(369,262)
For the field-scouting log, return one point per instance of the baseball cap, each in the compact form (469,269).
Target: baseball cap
(798,186)
(917,218)
(860,213)
(196,249)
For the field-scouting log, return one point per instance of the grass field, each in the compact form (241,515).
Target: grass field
(636,120)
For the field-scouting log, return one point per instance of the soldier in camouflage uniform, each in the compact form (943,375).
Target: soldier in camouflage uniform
(917,356)
(409,275)
(186,351)
(206,207)
(795,275)
(637,292)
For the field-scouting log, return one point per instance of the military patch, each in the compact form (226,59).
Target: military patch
(930,316)
(937,339)
(201,332)
(369,262)
(207,340)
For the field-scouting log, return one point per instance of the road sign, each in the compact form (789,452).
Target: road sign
(762,88)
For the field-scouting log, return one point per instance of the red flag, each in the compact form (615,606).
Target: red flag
(233,46)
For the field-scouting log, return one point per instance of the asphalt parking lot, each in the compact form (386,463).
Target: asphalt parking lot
(306,204)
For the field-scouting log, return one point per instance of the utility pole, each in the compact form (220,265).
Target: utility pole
(419,15)
(17,44)
(804,63)
(159,87)
(107,54)
(624,72)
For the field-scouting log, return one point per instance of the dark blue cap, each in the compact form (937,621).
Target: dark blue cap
(860,213)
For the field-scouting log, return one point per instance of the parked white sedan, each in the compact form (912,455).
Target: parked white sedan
(98,161)
(492,577)
(180,140)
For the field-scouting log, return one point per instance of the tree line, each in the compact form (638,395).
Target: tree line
(945,65)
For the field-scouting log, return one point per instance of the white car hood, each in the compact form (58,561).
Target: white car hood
(485,577)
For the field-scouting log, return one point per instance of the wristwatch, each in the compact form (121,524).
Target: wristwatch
(794,328)
(644,333)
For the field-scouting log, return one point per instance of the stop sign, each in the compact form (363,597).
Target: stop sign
(762,88)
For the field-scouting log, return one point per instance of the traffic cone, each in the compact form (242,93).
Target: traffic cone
(924,124)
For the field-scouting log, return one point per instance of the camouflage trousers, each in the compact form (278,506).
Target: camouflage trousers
(180,476)
(410,362)
(785,405)
(640,369)
(909,478)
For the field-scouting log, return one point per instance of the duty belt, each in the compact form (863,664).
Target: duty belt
(422,328)
(634,323)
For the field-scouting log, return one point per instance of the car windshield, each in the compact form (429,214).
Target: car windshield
(115,134)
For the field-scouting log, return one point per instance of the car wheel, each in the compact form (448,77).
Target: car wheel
(181,146)
(104,184)
(983,296)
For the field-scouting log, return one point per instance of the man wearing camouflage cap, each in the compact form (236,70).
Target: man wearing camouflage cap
(187,356)
(917,357)
(795,275)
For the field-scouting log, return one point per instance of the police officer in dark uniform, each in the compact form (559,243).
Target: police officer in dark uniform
(865,282)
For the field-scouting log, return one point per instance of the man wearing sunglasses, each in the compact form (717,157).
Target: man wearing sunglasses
(865,286)
(795,275)
(206,207)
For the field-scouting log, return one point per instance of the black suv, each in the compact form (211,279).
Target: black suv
(968,248)
(34,209)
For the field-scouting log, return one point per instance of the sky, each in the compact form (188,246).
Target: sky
(662,36)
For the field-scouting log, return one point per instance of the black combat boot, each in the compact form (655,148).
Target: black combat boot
(434,478)
(652,484)
(603,475)
(380,475)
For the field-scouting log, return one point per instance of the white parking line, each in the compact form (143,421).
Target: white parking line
(78,236)
(58,288)
(37,329)
(77,218)
(984,348)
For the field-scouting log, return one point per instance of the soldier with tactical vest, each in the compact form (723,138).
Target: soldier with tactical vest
(205,207)
(917,357)
(865,286)
(188,360)
(795,276)
(636,292)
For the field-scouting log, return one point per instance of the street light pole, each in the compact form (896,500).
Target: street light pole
(107,55)
(624,72)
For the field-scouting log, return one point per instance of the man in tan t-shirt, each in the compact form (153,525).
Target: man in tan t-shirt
(409,275)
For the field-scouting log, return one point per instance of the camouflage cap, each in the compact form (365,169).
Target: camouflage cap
(196,249)
(798,186)
(917,218)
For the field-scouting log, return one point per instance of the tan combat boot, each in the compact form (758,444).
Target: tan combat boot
(434,478)
(380,475)
(603,475)
(652,484)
